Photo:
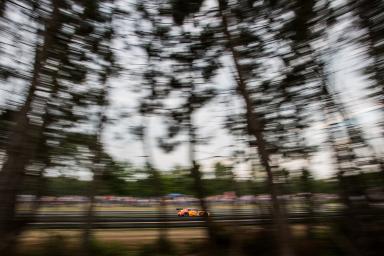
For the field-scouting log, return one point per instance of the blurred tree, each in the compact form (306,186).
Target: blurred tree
(222,171)
(21,143)
(2,7)
(224,178)
(98,162)
(346,139)
(369,17)
(118,178)
(60,64)
(101,15)
(255,127)
(153,91)
(193,67)
(306,185)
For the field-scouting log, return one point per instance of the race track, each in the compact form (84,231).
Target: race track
(151,219)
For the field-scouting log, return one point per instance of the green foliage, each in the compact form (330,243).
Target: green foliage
(119,180)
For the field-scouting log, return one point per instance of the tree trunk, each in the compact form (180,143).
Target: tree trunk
(3,3)
(22,142)
(97,170)
(255,128)
(196,175)
(159,191)
(90,212)
(334,104)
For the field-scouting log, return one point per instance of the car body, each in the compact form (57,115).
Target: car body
(191,212)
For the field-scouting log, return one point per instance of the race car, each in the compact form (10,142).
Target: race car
(188,212)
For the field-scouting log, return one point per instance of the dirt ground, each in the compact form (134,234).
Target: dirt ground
(129,237)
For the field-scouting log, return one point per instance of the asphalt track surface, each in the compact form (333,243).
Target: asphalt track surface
(151,219)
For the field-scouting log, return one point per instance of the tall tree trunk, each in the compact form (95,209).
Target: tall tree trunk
(352,224)
(343,242)
(162,207)
(331,104)
(97,170)
(255,128)
(195,167)
(92,192)
(3,3)
(22,141)
(90,211)
(196,174)
(41,152)
(350,131)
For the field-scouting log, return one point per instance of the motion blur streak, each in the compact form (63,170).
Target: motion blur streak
(191,127)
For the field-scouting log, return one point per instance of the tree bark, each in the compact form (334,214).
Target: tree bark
(162,210)
(3,4)
(196,174)
(97,170)
(22,141)
(255,128)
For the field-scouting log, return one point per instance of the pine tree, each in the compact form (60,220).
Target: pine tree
(369,16)
(193,66)
(152,92)
(20,145)
(59,65)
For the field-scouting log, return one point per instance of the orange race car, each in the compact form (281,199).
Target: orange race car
(188,212)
